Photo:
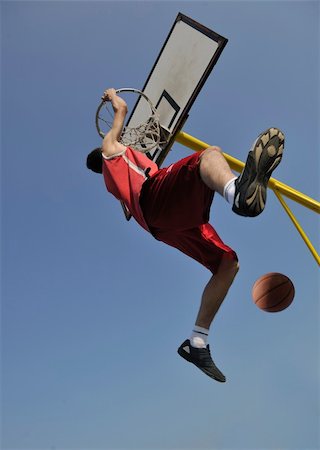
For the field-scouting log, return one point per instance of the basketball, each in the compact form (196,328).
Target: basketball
(273,292)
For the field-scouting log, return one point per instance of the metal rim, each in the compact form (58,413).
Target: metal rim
(133,90)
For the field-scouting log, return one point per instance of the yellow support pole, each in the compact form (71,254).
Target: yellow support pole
(298,226)
(277,186)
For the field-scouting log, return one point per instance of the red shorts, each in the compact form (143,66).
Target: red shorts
(176,206)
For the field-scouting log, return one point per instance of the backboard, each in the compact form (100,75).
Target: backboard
(184,63)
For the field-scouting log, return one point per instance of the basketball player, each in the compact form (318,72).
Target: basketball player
(173,204)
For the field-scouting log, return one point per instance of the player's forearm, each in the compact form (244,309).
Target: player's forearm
(118,121)
(118,104)
(120,111)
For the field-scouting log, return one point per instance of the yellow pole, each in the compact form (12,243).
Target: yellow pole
(298,227)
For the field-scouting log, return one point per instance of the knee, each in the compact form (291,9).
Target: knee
(236,267)
(209,156)
(214,148)
(229,265)
(233,267)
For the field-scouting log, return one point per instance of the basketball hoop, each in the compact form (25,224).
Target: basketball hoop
(143,136)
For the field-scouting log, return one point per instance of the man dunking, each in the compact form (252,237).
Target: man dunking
(173,204)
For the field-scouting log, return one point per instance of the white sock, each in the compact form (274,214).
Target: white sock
(199,337)
(229,190)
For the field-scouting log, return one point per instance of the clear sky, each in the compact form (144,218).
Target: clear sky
(93,308)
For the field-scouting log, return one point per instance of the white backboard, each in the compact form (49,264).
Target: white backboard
(180,71)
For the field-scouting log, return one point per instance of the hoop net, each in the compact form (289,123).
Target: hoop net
(144,136)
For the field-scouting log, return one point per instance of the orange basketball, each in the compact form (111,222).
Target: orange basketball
(273,292)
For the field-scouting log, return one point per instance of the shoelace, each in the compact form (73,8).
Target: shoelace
(205,357)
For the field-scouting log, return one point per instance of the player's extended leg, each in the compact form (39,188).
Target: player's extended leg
(251,186)
(212,298)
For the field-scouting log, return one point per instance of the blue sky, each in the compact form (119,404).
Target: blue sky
(93,309)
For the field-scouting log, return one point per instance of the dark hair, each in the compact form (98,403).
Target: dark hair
(94,160)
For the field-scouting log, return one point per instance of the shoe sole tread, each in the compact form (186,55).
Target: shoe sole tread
(264,157)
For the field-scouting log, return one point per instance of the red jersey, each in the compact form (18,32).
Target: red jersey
(124,175)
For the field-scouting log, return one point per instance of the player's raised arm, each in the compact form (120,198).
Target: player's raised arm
(111,144)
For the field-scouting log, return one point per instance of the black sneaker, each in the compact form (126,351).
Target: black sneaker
(251,185)
(201,358)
